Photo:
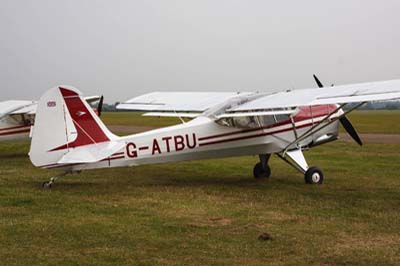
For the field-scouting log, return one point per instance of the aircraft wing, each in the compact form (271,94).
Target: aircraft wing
(91,99)
(191,104)
(30,109)
(176,101)
(17,107)
(362,92)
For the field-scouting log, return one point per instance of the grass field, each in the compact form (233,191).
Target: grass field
(208,212)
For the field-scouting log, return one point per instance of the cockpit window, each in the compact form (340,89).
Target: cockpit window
(22,120)
(252,121)
(245,122)
(240,122)
(267,120)
(280,118)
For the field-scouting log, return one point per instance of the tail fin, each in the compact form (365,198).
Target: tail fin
(64,121)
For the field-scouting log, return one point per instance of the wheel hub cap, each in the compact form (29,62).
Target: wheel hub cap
(315,177)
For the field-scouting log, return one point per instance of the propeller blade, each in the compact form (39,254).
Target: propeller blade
(350,129)
(343,120)
(320,85)
(100,105)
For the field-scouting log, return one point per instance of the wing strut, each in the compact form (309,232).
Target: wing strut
(297,161)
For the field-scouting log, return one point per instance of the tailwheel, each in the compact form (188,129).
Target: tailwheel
(314,175)
(46,185)
(261,172)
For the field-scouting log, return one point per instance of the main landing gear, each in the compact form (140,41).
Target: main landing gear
(295,158)
(262,170)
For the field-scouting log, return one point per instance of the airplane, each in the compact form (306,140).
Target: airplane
(17,117)
(69,136)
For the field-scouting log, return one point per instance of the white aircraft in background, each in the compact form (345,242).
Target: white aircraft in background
(70,137)
(17,117)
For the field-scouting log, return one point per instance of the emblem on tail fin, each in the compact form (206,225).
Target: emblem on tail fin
(80,113)
(51,104)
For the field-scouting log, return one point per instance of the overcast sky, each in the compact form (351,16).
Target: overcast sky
(126,48)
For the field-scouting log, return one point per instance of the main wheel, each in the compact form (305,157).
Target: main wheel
(261,172)
(314,175)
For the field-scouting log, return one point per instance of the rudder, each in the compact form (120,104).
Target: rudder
(64,121)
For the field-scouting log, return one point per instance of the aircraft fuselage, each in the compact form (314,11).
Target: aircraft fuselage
(203,138)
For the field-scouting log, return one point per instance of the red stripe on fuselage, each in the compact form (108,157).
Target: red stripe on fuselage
(9,128)
(253,136)
(15,132)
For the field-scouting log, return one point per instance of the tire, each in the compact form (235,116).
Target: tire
(260,173)
(314,176)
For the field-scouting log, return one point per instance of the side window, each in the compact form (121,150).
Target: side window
(226,122)
(267,120)
(32,119)
(244,122)
(280,118)
(240,122)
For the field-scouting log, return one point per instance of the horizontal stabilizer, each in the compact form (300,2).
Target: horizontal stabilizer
(91,153)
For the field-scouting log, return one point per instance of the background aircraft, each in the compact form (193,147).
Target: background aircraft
(225,124)
(17,117)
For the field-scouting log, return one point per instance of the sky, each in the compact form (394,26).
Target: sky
(125,48)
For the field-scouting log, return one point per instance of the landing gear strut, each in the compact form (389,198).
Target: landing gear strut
(262,170)
(312,175)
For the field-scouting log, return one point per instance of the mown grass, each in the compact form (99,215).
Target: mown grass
(136,119)
(207,212)
(382,121)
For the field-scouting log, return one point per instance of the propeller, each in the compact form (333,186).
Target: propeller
(320,85)
(343,120)
(100,105)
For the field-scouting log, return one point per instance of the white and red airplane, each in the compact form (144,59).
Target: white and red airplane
(17,118)
(70,137)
